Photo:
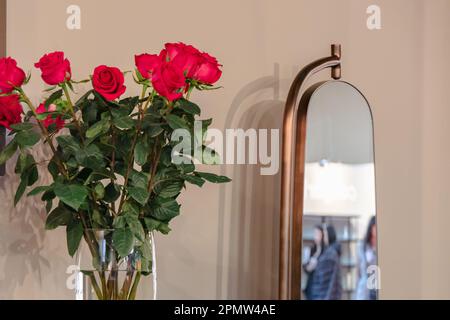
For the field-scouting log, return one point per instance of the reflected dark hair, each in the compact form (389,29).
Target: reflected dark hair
(368,237)
(314,246)
(332,238)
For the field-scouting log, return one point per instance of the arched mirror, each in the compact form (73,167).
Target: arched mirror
(328,235)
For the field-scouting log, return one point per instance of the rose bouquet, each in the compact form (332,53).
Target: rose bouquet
(114,181)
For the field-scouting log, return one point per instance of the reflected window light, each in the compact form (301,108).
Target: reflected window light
(328,183)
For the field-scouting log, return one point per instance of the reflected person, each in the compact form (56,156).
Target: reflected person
(323,266)
(367,256)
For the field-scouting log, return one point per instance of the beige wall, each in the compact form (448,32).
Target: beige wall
(435,156)
(224,245)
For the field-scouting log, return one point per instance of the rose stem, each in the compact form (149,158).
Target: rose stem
(72,110)
(133,291)
(133,145)
(61,167)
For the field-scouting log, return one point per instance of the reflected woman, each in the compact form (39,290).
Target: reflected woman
(367,256)
(323,267)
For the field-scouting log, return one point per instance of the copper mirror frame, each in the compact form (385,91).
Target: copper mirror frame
(293,173)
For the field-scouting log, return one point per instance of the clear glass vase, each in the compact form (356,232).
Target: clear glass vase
(103,275)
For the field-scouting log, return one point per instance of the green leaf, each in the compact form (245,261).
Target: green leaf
(165,209)
(139,179)
(48,195)
(99,190)
(54,96)
(139,194)
(31,174)
(20,190)
(98,98)
(42,116)
(74,235)
(130,101)
(90,157)
(153,224)
(141,152)
(168,189)
(157,104)
(151,118)
(135,227)
(69,144)
(8,151)
(209,156)
(211,177)
(123,123)
(48,206)
(175,122)
(123,241)
(83,97)
(106,148)
(130,209)
(73,195)
(51,88)
(53,168)
(72,162)
(154,130)
(90,111)
(119,112)
(98,174)
(112,193)
(38,190)
(188,106)
(194,180)
(187,167)
(98,128)
(164,228)
(119,222)
(99,219)
(27,138)
(24,161)
(166,156)
(23,126)
(81,81)
(146,250)
(60,216)
(69,84)
(205,124)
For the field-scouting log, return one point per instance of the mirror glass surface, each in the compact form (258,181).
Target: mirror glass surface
(339,253)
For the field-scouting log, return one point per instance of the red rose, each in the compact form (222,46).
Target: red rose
(208,71)
(108,81)
(184,56)
(10,110)
(169,81)
(10,75)
(54,68)
(147,63)
(51,119)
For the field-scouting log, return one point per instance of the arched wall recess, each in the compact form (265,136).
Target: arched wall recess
(248,230)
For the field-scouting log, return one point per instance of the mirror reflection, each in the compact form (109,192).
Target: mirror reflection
(339,253)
